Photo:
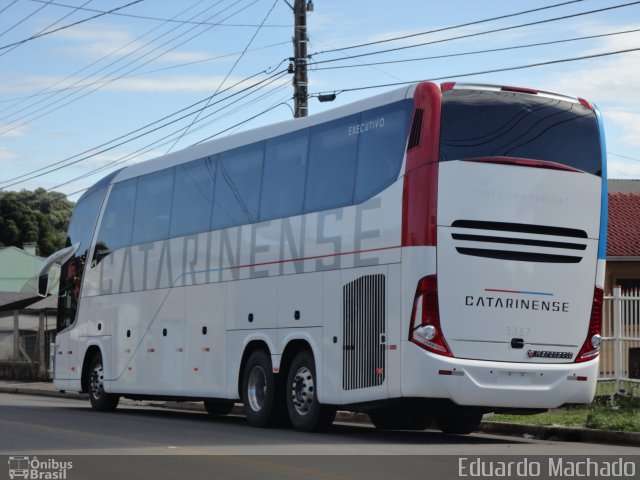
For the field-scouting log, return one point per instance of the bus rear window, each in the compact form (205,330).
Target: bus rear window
(482,123)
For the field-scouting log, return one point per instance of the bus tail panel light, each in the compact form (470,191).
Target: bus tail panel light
(425,330)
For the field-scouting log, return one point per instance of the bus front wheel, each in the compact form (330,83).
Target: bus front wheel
(100,400)
(305,411)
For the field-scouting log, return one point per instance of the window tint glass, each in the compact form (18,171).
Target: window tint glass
(153,206)
(489,124)
(284,176)
(332,156)
(383,138)
(237,186)
(117,221)
(192,197)
(83,221)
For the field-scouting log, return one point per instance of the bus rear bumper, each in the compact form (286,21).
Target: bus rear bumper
(496,384)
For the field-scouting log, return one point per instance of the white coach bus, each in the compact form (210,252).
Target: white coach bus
(429,254)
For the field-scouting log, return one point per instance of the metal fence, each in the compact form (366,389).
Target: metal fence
(620,355)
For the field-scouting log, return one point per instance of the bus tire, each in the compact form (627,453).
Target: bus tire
(263,404)
(462,424)
(218,407)
(100,400)
(306,413)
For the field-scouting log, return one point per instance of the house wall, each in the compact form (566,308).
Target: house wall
(620,270)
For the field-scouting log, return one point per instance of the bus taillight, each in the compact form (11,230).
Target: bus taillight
(425,330)
(591,347)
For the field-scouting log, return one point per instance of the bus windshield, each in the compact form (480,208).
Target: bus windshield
(484,123)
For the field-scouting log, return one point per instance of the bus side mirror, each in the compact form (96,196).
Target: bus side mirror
(59,257)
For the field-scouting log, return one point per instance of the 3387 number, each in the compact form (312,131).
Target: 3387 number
(516,332)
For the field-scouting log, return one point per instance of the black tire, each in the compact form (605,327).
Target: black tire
(218,407)
(263,403)
(462,424)
(100,400)
(400,419)
(306,413)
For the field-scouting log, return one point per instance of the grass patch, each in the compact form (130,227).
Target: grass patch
(623,417)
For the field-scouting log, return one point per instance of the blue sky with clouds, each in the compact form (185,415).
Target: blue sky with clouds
(70,91)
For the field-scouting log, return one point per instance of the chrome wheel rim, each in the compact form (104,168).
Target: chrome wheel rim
(257,389)
(96,382)
(303,391)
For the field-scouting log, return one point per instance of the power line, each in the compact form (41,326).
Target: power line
(144,17)
(158,143)
(25,18)
(235,64)
(483,72)
(13,127)
(623,156)
(33,37)
(486,32)
(110,54)
(59,164)
(50,25)
(2,11)
(475,52)
(149,72)
(438,30)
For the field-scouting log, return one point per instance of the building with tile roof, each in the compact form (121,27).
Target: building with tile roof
(623,235)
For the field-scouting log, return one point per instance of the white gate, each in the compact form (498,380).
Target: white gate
(620,355)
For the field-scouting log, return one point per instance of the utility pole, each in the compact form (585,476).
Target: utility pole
(299,60)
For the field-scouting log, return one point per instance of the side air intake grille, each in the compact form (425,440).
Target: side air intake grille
(364,332)
(416,128)
(537,241)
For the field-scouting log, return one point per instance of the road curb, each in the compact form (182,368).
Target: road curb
(44,393)
(566,434)
(543,432)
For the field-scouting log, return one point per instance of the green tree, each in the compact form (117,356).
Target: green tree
(39,216)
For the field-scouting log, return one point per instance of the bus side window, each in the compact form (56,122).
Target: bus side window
(381,148)
(117,220)
(237,189)
(332,156)
(193,197)
(285,170)
(153,207)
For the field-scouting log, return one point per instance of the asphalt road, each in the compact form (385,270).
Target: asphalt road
(59,427)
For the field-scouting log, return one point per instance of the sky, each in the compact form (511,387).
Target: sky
(85,95)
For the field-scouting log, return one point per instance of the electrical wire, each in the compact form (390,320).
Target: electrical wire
(33,37)
(25,18)
(49,26)
(157,143)
(486,32)
(444,29)
(233,67)
(483,72)
(2,11)
(145,17)
(48,89)
(58,165)
(475,52)
(14,126)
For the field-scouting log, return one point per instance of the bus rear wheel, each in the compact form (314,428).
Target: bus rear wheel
(100,400)
(263,403)
(306,413)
